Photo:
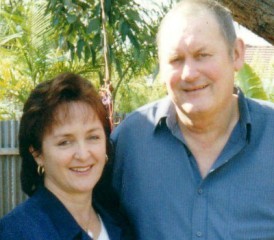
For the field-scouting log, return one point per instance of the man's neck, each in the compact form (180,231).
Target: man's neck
(211,123)
(207,134)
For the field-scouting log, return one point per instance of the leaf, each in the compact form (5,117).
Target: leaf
(118,67)
(94,25)
(55,21)
(71,48)
(87,53)
(250,83)
(133,15)
(71,18)
(4,40)
(97,40)
(93,56)
(107,6)
(133,40)
(80,45)
(124,30)
(68,3)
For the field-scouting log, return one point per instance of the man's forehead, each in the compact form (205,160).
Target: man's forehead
(186,27)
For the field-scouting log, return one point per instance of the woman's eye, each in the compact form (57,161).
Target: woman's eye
(93,137)
(64,143)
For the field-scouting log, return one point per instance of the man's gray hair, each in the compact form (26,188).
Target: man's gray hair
(221,13)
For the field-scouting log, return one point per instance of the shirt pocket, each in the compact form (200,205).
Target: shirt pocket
(251,213)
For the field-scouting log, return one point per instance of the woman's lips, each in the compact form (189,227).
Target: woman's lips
(81,169)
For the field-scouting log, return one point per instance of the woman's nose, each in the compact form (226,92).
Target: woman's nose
(81,152)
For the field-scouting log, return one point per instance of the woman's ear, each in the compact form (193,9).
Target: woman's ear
(36,155)
(238,54)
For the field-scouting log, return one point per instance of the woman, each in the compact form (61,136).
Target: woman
(63,139)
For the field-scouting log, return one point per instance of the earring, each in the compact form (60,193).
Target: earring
(40,170)
(106,158)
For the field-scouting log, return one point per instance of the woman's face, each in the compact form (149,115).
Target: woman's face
(74,150)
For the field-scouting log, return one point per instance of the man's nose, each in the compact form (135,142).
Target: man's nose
(189,71)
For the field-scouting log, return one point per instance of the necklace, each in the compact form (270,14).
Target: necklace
(92,225)
(86,228)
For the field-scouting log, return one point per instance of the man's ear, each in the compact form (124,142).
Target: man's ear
(36,155)
(238,54)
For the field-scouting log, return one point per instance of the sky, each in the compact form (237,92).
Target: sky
(250,37)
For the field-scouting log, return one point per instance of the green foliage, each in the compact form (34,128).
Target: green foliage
(251,84)
(23,46)
(137,93)
(132,49)
(131,32)
(35,47)
(29,54)
(265,73)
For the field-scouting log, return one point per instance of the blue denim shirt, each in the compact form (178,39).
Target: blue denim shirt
(44,217)
(163,194)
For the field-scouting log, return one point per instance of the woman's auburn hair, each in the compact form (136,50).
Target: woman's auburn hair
(39,117)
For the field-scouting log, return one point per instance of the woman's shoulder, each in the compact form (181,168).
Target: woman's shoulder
(18,220)
(23,210)
(25,221)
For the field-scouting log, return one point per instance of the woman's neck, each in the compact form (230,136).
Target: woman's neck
(80,207)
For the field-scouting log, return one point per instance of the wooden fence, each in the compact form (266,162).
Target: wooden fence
(10,164)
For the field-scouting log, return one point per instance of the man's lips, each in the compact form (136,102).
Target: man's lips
(192,89)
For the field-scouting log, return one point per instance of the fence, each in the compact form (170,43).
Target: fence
(10,188)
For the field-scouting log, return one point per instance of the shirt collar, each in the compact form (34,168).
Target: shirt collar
(245,119)
(166,113)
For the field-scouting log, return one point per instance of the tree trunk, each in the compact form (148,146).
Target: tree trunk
(255,15)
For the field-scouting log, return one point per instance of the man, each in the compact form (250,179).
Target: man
(198,164)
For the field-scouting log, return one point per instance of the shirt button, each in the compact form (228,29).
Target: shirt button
(199,234)
(200,191)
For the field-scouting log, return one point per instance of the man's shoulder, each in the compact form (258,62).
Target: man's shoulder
(145,112)
(141,120)
(261,106)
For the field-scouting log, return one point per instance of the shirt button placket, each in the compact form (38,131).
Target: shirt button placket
(200,191)
(199,214)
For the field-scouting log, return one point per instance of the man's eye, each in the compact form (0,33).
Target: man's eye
(202,55)
(175,60)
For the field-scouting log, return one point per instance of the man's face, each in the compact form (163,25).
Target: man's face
(196,65)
